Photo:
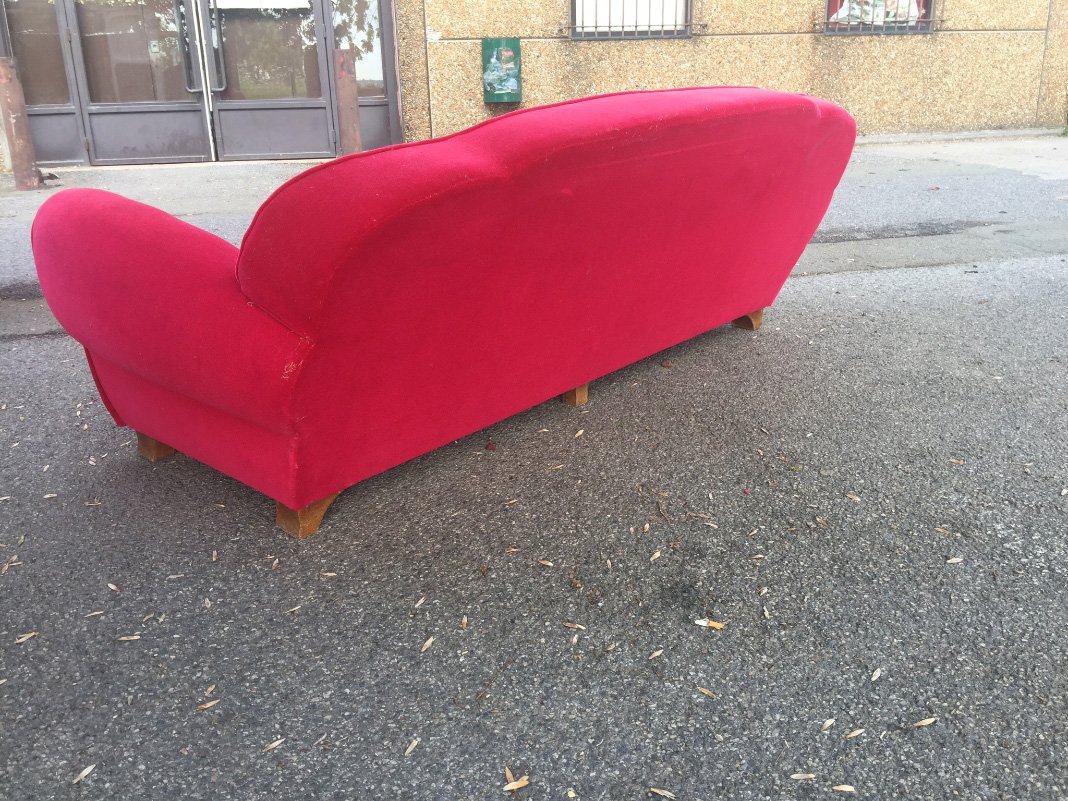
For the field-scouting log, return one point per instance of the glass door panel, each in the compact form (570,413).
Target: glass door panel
(37,49)
(41,53)
(265,61)
(133,51)
(269,49)
(357,31)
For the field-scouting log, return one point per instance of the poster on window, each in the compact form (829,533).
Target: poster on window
(877,12)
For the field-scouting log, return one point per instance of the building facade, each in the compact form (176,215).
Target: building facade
(978,64)
(120,81)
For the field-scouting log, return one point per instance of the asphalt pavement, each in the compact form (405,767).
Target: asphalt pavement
(870,494)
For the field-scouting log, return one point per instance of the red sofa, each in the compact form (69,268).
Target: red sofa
(392,301)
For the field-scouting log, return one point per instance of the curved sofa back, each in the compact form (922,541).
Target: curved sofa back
(666,174)
(448,284)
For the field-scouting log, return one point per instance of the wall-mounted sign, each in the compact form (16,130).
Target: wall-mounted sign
(502,72)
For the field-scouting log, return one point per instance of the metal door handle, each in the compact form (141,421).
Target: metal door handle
(189,70)
(217,46)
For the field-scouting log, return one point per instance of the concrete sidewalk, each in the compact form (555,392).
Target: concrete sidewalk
(871,492)
(928,202)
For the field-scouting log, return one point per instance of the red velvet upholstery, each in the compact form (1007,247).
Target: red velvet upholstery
(386,303)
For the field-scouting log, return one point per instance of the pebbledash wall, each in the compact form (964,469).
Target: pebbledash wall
(987,63)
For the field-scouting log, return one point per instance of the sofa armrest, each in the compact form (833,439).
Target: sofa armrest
(159,297)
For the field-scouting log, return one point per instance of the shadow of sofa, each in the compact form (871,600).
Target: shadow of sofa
(386,303)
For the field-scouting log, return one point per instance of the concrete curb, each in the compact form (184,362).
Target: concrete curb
(956,136)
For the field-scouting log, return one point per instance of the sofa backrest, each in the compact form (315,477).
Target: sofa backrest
(723,175)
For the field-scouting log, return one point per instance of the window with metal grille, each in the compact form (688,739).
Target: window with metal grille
(630,19)
(879,16)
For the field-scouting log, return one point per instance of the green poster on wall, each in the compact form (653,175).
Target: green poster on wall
(502,79)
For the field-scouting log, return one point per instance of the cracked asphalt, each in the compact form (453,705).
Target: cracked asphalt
(870,494)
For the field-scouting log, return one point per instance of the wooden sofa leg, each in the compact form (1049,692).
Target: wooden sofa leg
(577,396)
(153,449)
(751,321)
(301,523)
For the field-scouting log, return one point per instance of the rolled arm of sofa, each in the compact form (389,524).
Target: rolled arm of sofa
(159,297)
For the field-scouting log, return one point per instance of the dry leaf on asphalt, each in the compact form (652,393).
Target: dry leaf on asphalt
(518,784)
(274,745)
(83,774)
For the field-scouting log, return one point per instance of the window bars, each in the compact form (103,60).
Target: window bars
(879,16)
(630,19)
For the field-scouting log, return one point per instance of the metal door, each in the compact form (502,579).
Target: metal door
(140,90)
(149,81)
(267,78)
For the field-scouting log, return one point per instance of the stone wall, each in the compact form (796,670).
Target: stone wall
(989,64)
